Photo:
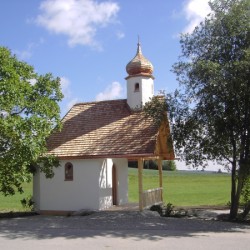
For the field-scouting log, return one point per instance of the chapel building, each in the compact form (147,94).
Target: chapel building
(95,144)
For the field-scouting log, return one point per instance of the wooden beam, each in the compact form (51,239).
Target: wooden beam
(140,179)
(159,161)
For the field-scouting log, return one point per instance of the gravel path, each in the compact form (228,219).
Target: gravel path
(121,230)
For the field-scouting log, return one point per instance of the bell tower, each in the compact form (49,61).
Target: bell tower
(140,81)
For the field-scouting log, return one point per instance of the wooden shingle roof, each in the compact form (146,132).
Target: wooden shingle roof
(104,129)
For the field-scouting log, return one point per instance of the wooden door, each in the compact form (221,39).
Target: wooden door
(114,185)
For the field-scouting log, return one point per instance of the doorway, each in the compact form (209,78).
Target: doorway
(114,185)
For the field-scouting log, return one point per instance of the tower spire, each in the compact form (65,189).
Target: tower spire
(139,65)
(140,81)
(139,46)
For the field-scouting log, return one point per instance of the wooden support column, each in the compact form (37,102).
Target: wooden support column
(140,178)
(159,162)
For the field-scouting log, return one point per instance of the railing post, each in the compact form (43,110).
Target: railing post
(140,171)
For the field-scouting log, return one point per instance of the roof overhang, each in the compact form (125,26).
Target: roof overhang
(124,156)
(141,74)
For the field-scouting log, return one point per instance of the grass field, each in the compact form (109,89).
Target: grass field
(184,188)
(12,203)
(181,188)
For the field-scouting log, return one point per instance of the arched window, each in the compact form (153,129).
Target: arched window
(137,87)
(68,168)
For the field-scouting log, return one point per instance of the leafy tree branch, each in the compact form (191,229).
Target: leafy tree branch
(29,112)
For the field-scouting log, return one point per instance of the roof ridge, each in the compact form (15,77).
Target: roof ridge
(92,102)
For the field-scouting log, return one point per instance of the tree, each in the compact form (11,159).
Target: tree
(166,165)
(211,109)
(169,165)
(210,112)
(29,111)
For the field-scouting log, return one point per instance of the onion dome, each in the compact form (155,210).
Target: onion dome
(139,65)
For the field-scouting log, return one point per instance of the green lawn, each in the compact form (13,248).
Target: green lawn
(181,188)
(12,203)
(184,188)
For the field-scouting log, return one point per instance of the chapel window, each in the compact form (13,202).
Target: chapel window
(68,171)
(137,87)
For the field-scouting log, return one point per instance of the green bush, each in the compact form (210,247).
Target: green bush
(163,210)
(166,165)
(28,203)
(157,208)
(245,198)
(132,164)
(168,210)
(169,165)
(150,165)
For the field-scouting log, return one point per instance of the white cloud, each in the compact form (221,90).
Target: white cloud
(65,85)
(195,12)
(28,52)
(23,54)
(68,101)
(79,20)
(113,91)
(71,103)
(120,34)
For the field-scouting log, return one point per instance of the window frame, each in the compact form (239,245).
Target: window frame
(68,171)
(137,87)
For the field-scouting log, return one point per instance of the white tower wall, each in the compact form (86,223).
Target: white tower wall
(139,91)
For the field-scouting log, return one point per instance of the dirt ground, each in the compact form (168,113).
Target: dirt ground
(123,229)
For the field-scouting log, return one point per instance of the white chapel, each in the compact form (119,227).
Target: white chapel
(95,144)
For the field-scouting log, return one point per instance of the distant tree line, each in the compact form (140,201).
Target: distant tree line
(166,165)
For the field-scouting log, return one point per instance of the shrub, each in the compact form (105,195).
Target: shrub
(245,198)
(168,210)
(163,210)
(166,165)
(169,165)
(157,208)
(28,203)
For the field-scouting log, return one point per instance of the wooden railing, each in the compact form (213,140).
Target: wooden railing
(151,197)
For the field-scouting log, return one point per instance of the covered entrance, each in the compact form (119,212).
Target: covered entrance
(153,196)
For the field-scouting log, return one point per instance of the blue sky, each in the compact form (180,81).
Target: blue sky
(87,43)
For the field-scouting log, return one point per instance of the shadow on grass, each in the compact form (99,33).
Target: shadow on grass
(131,224)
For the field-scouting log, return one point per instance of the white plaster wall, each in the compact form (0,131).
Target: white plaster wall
(147,90)
(81,193)
(122,180)
(105,184)
(136,99)
(91,187)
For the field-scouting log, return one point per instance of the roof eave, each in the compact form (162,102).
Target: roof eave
(141,74)
(124,156)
